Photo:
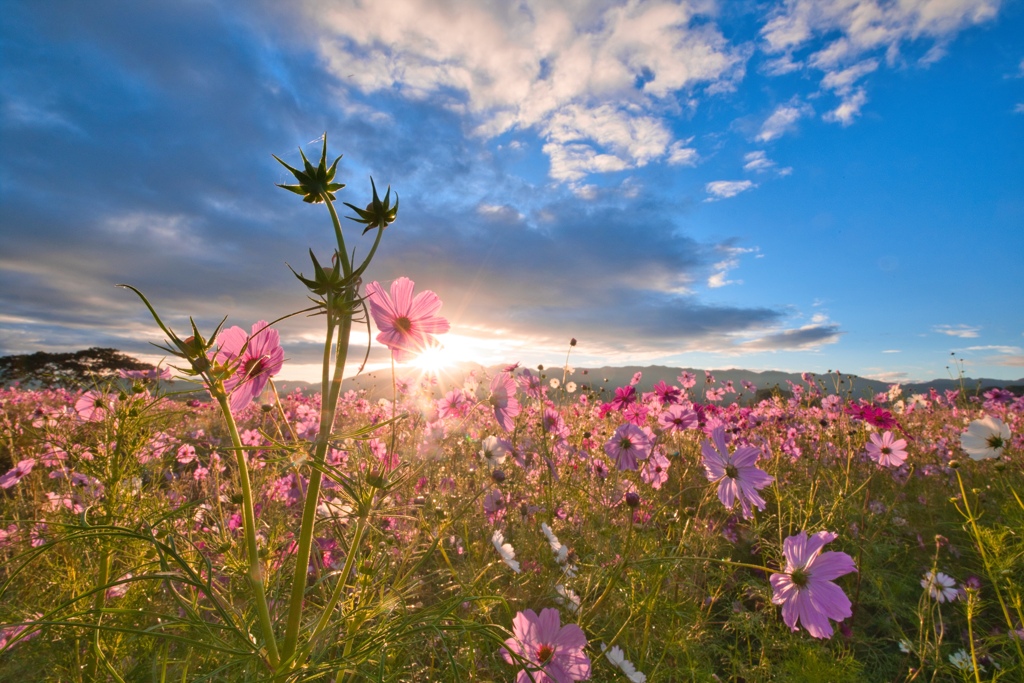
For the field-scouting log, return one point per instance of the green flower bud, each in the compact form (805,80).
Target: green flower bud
(315,183)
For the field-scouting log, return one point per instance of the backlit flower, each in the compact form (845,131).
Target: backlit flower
(737,474)
(628,444)
(406,323)
(805,589)
(553,653)
(887,451)
(618,659)
(503,400)
(254,359)
(985,438)
(507,552)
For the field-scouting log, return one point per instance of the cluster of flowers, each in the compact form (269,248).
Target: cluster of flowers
(534,429)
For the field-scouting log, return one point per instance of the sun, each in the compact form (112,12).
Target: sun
(433,360)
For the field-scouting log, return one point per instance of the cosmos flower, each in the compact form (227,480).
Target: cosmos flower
(494,450)
(805,589)
(554,653)
(677,418)
(503,400)
(941,587)
(255,358)
(93,406)
(618,659)
(887,451)
(407,324)
(655,470)
(737,474)
(628,444)
(560,551)
(985,438)
(17,473)
(507,552)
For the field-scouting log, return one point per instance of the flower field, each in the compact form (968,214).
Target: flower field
(525,524)
(700,556)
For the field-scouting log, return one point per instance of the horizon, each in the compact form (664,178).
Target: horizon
(797,186)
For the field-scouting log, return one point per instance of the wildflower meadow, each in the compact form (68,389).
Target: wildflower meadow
(528,524)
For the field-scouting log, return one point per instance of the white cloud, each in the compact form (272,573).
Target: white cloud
(595,79)
(856,33)
(1000,349)
(729,262)
(1019,108)
(849,109)
(962,331)
(782,120)
(681,155)
(758,162)
(723,189)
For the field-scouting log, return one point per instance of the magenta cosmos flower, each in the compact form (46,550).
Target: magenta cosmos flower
(255,358)
(887,451)
(554,652)
(503,400)
(805,589)
(406,323)
(628,444)
(737,475)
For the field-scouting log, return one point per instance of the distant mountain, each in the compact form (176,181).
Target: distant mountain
(78,369)
(604,380)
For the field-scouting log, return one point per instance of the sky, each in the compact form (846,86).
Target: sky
(805,185)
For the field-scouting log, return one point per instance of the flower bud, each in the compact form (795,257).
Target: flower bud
(633,499)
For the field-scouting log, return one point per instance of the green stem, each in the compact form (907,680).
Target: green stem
(327,414)
(988,567)
(249,520)
(325,618)
(97,605)
(346,266)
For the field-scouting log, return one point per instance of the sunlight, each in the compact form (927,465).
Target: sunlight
(434,360)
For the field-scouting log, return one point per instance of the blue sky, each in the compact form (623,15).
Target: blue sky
(802,185)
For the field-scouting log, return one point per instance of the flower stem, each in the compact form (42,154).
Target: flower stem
(249,520)
(327,413)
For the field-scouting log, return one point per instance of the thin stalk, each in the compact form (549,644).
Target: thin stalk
(346,265)
(346,571)
(305,541)
(97,605)
(988,567)
(249,520)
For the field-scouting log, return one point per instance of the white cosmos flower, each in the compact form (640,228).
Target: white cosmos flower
(494,451)
(615,656)
(568,597)
(941,587)
(985,438)
(570,387)
(554,383)
(560,551)
(507,552)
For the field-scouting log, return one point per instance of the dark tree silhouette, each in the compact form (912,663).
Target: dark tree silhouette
(74,369)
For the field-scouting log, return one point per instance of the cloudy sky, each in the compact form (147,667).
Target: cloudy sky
(794,185)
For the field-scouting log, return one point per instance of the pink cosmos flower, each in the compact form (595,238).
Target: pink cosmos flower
(554,652)
(503,400)
(628,444)
(93,406)
(737,475)
(17,473)
(805,589)
(406,324)
(655,470)
(677,418)
(255,357)
(887,451)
